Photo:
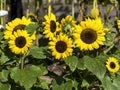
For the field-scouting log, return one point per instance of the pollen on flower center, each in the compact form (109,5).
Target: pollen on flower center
(20,42)
(52,26)
(88,36)
(112,65)
(61,46)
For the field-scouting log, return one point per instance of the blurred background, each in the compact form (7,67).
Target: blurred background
(77,8)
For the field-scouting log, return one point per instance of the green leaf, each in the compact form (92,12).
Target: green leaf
(106,83)
(44,84)
(31,27)
(3,58)
(96,66)
(26,77)
(72,62)
(5,86)
(85,83)
(81,64)
(37,52)
(63,86)
(4,75)
(116,83)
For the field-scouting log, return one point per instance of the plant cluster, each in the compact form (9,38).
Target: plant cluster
(47,54)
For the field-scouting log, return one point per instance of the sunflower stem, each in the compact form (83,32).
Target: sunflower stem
(22,61)
(107,50)
(49,6)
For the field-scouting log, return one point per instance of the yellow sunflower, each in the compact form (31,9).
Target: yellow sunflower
(112,64)
(33,17)
(61,46)
(51,26)
(118,24)
(20,41)
(89,34)
(16,24)
(67,24)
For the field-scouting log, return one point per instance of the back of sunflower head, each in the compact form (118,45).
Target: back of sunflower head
(94,11)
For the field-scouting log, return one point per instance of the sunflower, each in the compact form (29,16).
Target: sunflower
(61,46)
(112,64)
(51,26)
(33,17)
(67,24)
(89,34)
(16,24)
(118,24)
(20,41)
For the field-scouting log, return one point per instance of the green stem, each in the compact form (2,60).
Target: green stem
(107,50)
(22,61)
(22,58)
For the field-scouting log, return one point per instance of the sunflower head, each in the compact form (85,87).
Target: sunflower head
(51,26)
(20,42)
(33,17)
(94,13)
(67,24)
(118,24)
(14,25)
(89,34)
(112,64)
(61,46)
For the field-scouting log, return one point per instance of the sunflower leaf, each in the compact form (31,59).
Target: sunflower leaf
(37,52)
(106,83)
(4,58)
(72,62)
(5,86)
(96,66)
(31,28)
(26,77)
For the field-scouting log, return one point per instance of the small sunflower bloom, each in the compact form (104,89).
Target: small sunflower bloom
(32,17)
(51,26)
(67,24)
(89,35)
(61,46)
(112,64)
(20,42)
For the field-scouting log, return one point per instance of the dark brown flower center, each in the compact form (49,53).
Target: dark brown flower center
(52,26)
(112,65)
(61,46)
(20,41)
(20,26)
(88,36)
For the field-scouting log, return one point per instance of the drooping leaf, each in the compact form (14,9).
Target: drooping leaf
(72,62)
(37,52)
